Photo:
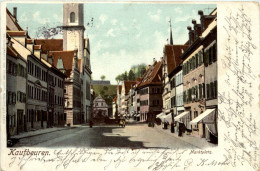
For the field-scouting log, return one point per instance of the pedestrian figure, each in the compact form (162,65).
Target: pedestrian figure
(180,130)
(90,123)
(172,127)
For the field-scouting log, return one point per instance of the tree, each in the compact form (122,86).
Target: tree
(141,70)
(119,78)
(131,76)
(103,77)
(125,78)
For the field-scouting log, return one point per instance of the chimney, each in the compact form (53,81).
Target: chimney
(191,35)
(15,13)
(200,12)
(195,29)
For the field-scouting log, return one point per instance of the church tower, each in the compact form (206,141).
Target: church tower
(73,28)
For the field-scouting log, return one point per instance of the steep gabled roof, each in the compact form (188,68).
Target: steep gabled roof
(153,75)
(13,20)
(67,58)
(128,85)
(173,54)
(50,44)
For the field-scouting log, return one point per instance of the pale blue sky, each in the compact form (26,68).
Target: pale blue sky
(122,34)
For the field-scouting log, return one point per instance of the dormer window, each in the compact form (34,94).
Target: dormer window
(72,17)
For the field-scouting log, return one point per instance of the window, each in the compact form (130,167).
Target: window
(184,96)
(196,115)
(214,53)
(212,92)
(13,98)
(216,88)
(206,58)
(200,58)
(72,17)
(200,91)
(196,92)
(210,55)
(196,61)
(207,88)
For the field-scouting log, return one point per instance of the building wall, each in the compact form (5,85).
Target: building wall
(36,107)
(179,92)
(154,105)
(123,102)
(193,79)
(211,77)
(166,95)
(114,109)
(16,108)
(59,119)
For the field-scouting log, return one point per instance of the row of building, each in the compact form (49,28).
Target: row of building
(181,87)
(47,80)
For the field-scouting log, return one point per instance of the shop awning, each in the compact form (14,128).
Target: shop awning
(202,116)
(159,115)
(166,118)
(181,115)
(168,111)
(138,115)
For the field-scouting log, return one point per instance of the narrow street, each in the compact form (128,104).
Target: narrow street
(132,136)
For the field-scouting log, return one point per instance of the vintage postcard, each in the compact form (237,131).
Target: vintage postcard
(130,85)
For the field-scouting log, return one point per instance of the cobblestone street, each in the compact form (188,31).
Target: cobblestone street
(100,136)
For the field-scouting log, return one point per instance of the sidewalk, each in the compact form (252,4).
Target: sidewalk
(196,141)
(38,132)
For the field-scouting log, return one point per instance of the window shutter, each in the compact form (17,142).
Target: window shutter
(196,60)
(14,94)
(214,53)
(18,69)
(199,58)
(206,58)
(196,92)
(184,96)
(18,92)
(207,90)
(200,92)
(216,89)
(212,90)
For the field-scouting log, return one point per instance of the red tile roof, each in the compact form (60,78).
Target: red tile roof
(173,55)
(37,47)
(50,44)
(29,41)
(16,33)
(153,75)
(67,58)
(128,85)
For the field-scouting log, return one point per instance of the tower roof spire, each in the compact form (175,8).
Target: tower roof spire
(171,40)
